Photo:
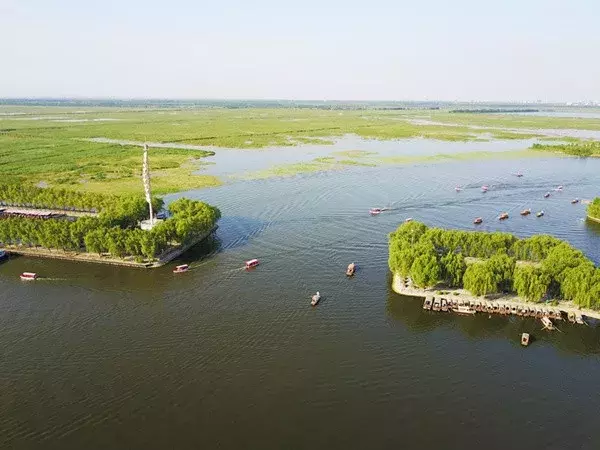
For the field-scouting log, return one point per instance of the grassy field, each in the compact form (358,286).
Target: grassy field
(48,144)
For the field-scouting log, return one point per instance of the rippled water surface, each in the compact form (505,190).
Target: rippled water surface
(100,357)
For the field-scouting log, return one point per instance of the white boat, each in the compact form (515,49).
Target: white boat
(484,188)
(458,189)
(547,323)
(315,299)
(182,268)
(464,309)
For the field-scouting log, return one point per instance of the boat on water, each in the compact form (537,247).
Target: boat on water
(444,305)
(28,276)
(548,325)
(540,213)
(575,200)
(478,220)
(571,317)
(484,188)
(559,188)
(526,212)
(503,216)
(547,194)
(375,211)
(315,299)
(428,303)
(181,268)
(3,254)
(525,339)
(465,309)
(437,305)
(252,263)
(458,188)
(351,269)
(518,174)
(409,219)
(579,319)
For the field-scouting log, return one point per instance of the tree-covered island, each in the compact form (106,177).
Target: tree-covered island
(105,225)
(538,268)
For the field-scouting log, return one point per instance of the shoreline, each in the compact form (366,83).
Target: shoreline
(165,258)
(593,219)
(507,299)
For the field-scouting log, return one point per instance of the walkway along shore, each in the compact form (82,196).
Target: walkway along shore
(400,287)
(163,259)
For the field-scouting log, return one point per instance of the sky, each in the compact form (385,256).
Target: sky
(466,50)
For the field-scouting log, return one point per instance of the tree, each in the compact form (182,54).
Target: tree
(503,267)
(531,282)
(453,268)
(426,270)
(479,279)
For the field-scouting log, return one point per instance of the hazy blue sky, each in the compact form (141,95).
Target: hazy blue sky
(307,49)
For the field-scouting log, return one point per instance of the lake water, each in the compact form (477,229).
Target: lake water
(99,357)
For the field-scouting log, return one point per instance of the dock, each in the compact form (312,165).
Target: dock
(461,301)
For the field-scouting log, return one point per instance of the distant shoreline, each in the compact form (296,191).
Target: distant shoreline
(461,294)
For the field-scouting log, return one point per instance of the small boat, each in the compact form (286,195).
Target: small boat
(252,263)
(408,219)
(182,268)
(428,303)
(547,194)
(375,211)
(513,310)
(465,309)
(478,220)
(540,214)
(444,306)
(547,323)
(315,299)
(579,319)
(575,200)
(351,269)
(526,212)
(458,189)
(559,188)
(571,317)
(437,305)
(525,339)
(484,188)
(503,216)
(518,174)
(28,276)
(3,254)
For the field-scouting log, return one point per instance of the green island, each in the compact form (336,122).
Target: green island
(593,210)
(539,268)
(580,148)
(97,227)
(96,148)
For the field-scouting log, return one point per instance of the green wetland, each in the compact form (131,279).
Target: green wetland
(102,357)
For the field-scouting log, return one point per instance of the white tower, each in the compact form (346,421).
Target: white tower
(147,224)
